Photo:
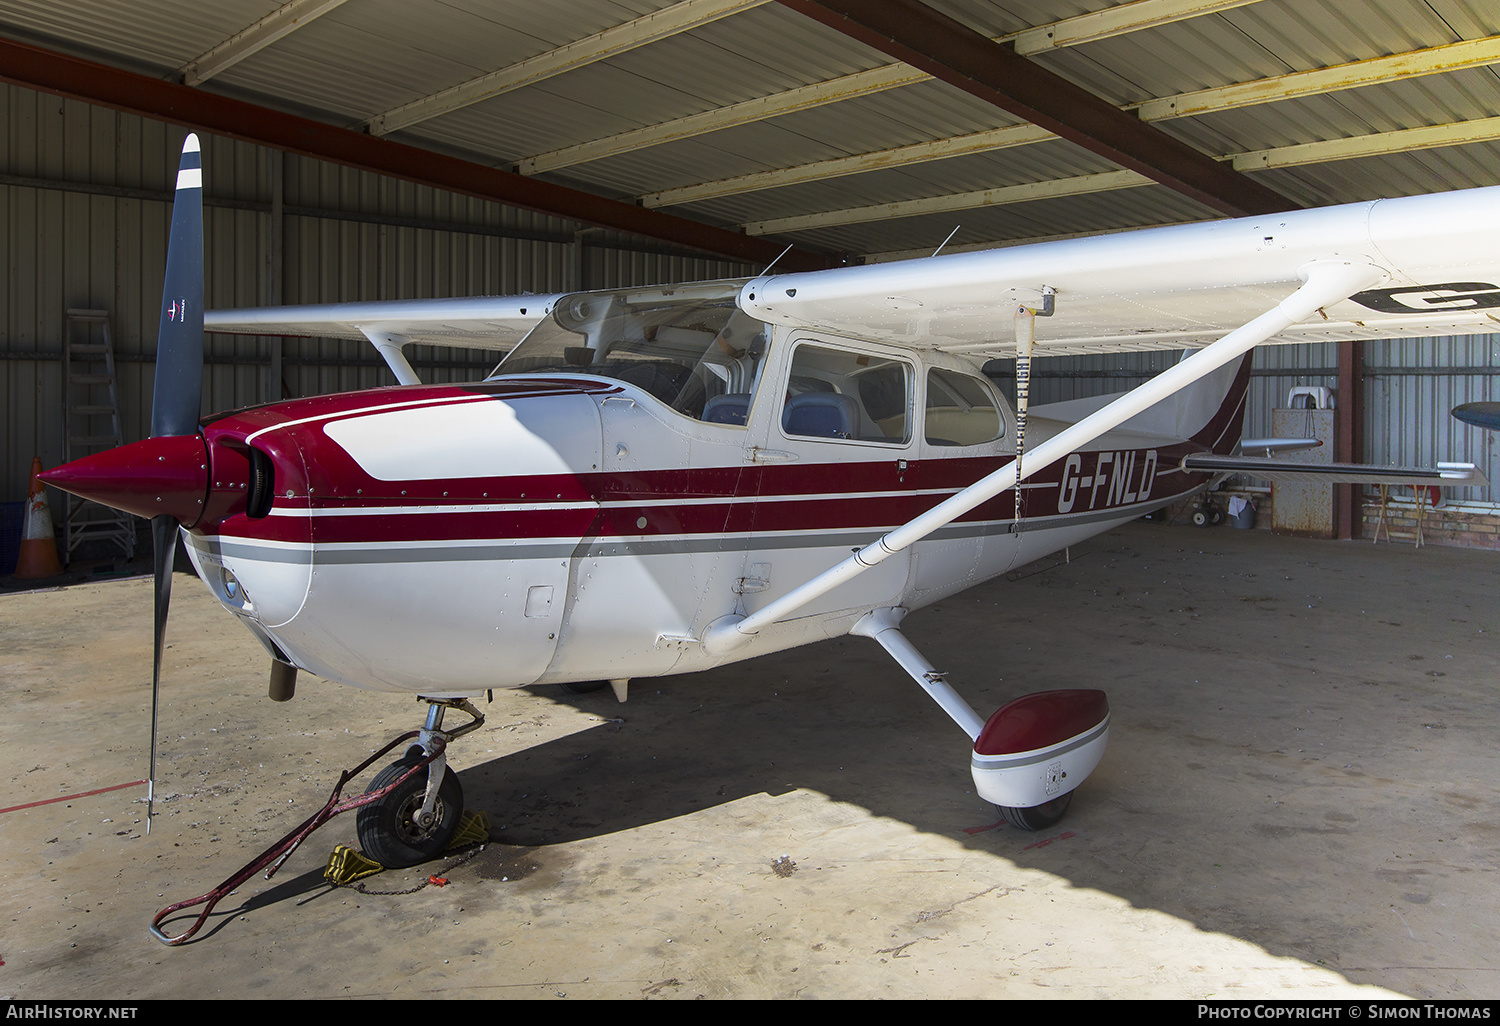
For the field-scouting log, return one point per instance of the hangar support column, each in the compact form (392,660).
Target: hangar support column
(1349,437)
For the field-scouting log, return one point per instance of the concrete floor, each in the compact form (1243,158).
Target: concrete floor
(1298,801)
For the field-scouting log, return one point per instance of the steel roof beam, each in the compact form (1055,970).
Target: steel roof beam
(48,71)
(1404,140)
(861,83)
(950,51)
(900,156)
(616,40)
(891,255)
(1079,185)
(1084,28)
(280,22)
(1433,60)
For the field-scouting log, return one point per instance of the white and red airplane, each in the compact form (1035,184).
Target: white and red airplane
(661,480)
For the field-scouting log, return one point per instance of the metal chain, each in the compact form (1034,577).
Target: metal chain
(457,861)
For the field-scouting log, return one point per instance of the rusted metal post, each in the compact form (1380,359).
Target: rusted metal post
(1349,437)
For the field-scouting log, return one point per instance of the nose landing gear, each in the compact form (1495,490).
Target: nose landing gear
(416,819)
(405,817)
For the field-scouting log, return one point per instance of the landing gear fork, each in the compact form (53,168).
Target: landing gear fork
(434,740)
(411,823)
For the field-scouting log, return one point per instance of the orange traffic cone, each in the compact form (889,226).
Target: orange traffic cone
(38,555)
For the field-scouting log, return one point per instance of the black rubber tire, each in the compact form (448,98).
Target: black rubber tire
(1216,516)
(1038,817)
(386,830)
(1200,518)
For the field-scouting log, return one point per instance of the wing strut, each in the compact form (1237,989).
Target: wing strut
(388,345)
(1325,282)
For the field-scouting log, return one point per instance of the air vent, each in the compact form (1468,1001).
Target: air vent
(262,487)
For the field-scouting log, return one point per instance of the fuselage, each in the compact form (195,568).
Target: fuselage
(589,522)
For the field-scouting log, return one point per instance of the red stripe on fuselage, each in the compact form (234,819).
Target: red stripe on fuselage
(816,497)
(324,497)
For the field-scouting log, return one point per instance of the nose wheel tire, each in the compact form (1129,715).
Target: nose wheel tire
(1038,817)
(389,831)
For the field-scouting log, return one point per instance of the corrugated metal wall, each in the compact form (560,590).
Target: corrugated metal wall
(1411,385)
(85,210)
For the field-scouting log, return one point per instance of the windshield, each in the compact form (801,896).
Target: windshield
(688,346)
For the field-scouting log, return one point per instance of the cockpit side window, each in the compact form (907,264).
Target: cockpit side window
(844,394)
(960,409)
(691,348)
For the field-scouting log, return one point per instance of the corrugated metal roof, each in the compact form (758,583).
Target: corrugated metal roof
(356,60)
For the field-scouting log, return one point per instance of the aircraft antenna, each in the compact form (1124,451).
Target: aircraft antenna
(947,240)
(773,263)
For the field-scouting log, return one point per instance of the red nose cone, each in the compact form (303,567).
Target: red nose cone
(148,478)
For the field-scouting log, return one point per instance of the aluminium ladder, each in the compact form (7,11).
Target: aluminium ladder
(91,424)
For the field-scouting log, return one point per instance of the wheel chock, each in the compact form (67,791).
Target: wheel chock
(345,865)
(473,828)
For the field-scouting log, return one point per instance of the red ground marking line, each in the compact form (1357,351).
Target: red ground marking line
(1065,835)
(968,830)
(70,797)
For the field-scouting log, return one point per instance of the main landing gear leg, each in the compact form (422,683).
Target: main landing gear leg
(1031,754)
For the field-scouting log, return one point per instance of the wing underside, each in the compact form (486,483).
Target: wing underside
(1180,287)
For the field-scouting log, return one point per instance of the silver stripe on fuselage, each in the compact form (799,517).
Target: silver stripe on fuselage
(348,553)
(1021,760)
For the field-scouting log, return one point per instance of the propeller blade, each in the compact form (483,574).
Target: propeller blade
(164,548)
(179,342)
(178,391)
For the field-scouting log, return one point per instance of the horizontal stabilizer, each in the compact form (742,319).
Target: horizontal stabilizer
(1445,475)
(1270,445)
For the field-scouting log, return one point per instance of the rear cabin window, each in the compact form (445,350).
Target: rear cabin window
(837,393)
(960,410)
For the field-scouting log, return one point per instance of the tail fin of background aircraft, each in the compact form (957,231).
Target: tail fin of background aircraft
(1211,411)
(1224,428)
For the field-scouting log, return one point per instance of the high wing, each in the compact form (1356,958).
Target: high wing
(482,322)
(1176,287)
(1172,288)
